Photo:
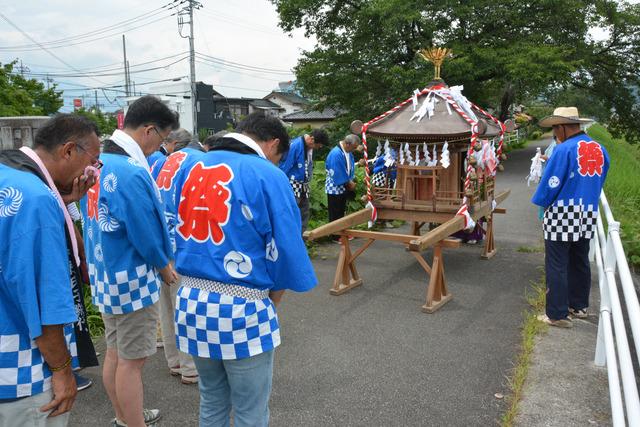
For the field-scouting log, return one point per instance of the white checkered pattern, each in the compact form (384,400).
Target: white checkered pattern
(218,326)
(124,291)
(299,188)
(23,371)
(331,188)
(570,221)
(70,338)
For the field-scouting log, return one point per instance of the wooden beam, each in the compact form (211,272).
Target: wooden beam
(379,235)
(439,233)
(500,211)
(454,224)
(338,225)
(437,217)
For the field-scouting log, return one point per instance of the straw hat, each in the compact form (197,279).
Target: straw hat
(562,116)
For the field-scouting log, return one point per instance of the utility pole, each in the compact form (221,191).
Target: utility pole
(48,80)
(97,107)
(126,67)
(193,4)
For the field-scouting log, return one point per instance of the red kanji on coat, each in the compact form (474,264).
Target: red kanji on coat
(169,170)
(590,158)
(204,203)
(92,200)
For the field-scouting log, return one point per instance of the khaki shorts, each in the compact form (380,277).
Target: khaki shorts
(132,334)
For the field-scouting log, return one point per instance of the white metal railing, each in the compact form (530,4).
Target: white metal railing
(612,330)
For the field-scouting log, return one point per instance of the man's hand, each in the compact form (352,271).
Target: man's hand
(64,392)
(81,185)
(169,275)
(361,162)
(350,185)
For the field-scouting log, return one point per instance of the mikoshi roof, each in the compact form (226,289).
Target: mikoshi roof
(432,115)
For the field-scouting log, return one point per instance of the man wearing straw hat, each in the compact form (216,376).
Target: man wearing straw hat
(569,192)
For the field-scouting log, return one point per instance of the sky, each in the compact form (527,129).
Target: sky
(240,49)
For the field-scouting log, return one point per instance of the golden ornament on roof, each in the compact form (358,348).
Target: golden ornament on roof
(435,55)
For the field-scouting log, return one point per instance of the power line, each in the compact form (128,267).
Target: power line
(91,75)
(228,63)
(220,68)
(97,38)
(43,48)
(93,33)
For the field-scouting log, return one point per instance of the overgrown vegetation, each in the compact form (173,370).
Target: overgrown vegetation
(530,329)
(623,188)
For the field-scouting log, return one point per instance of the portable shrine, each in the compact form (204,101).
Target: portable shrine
(437,156)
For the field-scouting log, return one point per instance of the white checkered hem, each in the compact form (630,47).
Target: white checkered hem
(219,326)
(569,221)
(23,371)
(331,188)
(224,288)
(299,188)
(125,291)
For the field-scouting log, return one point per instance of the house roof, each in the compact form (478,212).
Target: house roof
(289,97)
(326,114)
(265,104)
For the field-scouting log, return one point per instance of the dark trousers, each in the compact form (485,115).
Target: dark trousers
(303,205)
(568,276)
(337,204)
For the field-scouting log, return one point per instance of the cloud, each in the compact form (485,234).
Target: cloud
(242,32)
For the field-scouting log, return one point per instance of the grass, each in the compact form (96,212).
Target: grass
(530,329)
(530,249)
(622,188)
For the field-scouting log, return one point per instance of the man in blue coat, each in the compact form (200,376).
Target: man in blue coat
(239,249)
(297,165)
(569,192)
(128,253)
(38,260)
(339,183)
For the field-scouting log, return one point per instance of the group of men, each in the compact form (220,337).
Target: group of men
(210,239)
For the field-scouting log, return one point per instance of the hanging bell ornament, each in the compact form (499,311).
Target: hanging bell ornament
(468,192)
(473,160)
(503,157)
(477,146)
(500,168)
(473,176)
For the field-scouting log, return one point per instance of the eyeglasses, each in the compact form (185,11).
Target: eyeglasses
(96,161)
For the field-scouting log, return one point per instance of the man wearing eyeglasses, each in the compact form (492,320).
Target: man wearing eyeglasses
(38,262)
(127,246)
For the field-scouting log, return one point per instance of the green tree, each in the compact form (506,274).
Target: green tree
(504,52)
(26,97)
(106,123)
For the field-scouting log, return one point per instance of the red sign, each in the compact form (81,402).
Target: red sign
(590,158)
(77,103)
(120,117)
(204,203)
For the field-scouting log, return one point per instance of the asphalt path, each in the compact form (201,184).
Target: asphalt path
(371,357)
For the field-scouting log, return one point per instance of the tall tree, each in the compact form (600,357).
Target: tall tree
(26,97)
(504,52)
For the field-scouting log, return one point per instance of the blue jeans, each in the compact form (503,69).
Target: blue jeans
(568,276)
(243,384)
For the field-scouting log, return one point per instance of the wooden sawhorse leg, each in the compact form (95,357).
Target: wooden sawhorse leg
(347,277)
(489,245)
(437,293)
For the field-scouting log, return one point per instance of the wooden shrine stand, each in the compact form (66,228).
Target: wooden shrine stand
(437,294)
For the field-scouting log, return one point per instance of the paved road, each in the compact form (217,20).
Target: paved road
(371,357)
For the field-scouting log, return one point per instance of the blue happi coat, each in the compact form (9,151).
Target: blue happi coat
(172,168)
(156,160)
(125,235)
(35,286)
(293,165)
(238,223)
(338,171)
(570,188)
